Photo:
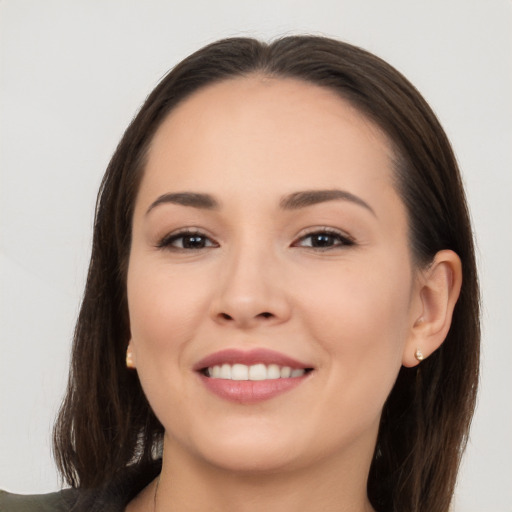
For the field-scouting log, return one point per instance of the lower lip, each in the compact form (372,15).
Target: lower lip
(250,391)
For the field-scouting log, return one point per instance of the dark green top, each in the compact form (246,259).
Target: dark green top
(111,497)
(62,501)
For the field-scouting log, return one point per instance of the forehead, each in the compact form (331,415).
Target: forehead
(266,132)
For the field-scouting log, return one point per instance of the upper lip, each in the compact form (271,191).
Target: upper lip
(248,357)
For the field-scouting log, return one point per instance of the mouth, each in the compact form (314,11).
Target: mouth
(251,376)
(254,372)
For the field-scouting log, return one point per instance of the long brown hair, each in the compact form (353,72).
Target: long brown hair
(106,423)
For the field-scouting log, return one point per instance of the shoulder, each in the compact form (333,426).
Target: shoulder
(113,496)
(53,502)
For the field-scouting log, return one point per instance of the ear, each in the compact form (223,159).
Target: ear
(130,357)
(437,292)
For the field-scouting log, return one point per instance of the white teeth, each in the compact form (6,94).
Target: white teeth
(254,372)
(225,371)
(273,371)
(239,372)
(257,372)
(286,371)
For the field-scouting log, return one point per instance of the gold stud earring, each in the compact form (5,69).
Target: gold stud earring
(419,355)
(130,363)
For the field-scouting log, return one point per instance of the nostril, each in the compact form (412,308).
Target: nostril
(227,317)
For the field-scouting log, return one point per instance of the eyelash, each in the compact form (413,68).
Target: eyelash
(167,242)
(343,239)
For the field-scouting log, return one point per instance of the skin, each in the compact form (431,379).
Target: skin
(355,310)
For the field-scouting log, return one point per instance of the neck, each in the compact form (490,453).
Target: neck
(190,484)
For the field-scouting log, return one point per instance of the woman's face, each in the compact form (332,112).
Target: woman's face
(269,245)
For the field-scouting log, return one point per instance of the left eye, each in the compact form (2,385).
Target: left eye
(324,240)
(187,241)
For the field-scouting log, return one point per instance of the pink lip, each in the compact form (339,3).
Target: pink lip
(254,356)
(247,391)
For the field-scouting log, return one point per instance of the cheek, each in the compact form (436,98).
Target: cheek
(165,306)
(361,321)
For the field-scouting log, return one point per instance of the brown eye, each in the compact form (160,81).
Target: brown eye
(193,242)
(187,241)
(324,240)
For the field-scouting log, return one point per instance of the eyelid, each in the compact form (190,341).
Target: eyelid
(346,239)
(166,241)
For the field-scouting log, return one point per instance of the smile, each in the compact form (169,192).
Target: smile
(253,376)
(255,372)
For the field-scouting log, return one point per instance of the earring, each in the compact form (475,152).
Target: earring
(419,355)
(130,363)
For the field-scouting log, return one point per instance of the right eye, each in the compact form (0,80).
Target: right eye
(324,239)
(187,240)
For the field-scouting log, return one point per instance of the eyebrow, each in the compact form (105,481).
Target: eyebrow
(193,199)
(294,201)
(307,198)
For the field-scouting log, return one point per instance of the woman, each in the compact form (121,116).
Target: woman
(281,309)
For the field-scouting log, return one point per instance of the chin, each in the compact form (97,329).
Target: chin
(252,459)
(241,449)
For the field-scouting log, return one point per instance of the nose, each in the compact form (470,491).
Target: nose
(251,291)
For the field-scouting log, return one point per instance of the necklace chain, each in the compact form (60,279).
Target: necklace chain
(156,492)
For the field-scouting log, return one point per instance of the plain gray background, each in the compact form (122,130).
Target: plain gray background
(72,75)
